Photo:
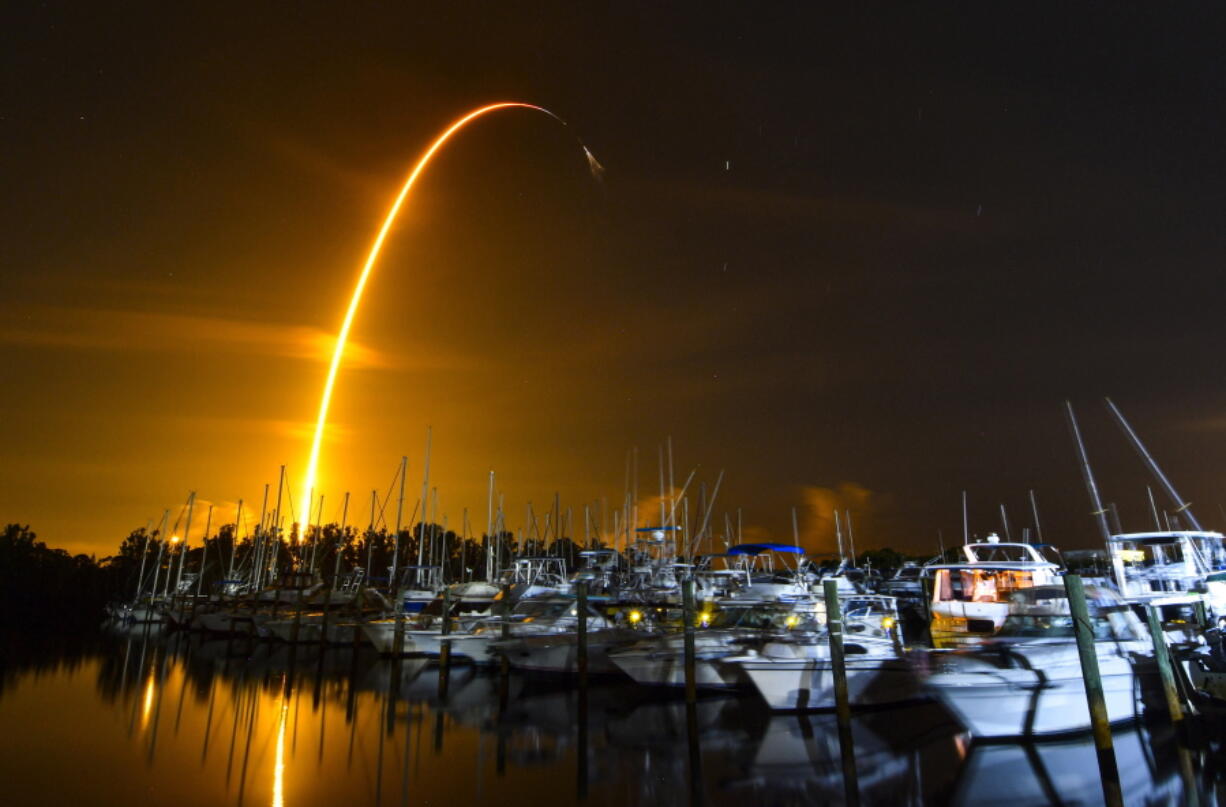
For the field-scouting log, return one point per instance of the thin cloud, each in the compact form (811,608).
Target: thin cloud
(119,330)
(817,533)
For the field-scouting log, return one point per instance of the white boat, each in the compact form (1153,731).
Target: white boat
(729,629)
(906,582)
(336,626)
(559,652)
(970,600)
(1028,681)
(1171,571)
(797,674)
(543,636)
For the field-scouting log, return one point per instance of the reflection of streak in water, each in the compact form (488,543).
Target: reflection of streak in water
(637,754)
(146,708)
(278,768)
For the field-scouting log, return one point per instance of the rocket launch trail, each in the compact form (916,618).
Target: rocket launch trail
(373,257)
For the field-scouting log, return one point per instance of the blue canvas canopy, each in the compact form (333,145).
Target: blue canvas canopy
(758,549)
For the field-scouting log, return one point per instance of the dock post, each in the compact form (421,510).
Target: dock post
(581,614)
(926,584)
(688,618)
(398,630)
(1100,724)
(504,664)
(1162,655)
(581,772)
(297,620)
(842,700)
(1202,616)
(323,621)
(444,650)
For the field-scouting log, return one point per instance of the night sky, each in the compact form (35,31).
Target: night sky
(852,259)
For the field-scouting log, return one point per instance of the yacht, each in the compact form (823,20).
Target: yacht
(1171,571)
(796,673)
(1028,681)
(724,630)
(970,599)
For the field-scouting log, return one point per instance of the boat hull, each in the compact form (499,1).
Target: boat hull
(799,685)
(1019,703)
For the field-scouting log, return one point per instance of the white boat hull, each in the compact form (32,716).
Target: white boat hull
(1020,702)
(808,684)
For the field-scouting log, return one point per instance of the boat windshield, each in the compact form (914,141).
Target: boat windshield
(1001,553)
(538,609)
(749,618)
(1108,626)
(1146,554)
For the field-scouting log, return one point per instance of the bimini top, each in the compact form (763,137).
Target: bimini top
(999,556)
(758,549)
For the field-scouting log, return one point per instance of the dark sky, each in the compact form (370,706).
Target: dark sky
(853,259)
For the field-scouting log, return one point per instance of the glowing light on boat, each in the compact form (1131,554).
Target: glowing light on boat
(356,298)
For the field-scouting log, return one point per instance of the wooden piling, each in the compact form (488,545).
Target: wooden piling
(842,700)
(444,650)
(1162,656)
(581,613)
(688,617)
(1202,616)
(1100,724)
(398,629)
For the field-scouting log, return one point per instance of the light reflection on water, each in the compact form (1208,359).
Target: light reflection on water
(144,718)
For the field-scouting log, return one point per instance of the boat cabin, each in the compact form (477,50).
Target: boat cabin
(970,600)
(1171,570)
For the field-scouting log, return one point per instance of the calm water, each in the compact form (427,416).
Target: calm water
(145,718)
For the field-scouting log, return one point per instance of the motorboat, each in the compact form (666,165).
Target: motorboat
(721,630)
(1028,680)
(796,673)
(1172,571)
(970,599)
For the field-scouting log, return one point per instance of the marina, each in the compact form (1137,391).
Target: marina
(612,404)
(177,718)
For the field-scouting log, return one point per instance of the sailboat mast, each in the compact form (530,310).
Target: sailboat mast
(966,524)
(1034,509)
(425,503)
(204,549)
(340,538)
(851,537)
(1099,512)
(391,579)
(489,532)
(187,531)
(1180,505)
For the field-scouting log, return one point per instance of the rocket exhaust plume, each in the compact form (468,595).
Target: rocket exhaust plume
(373,256)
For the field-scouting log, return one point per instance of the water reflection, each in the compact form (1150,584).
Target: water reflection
(143,717)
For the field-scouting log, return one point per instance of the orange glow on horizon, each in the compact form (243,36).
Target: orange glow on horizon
(372,257)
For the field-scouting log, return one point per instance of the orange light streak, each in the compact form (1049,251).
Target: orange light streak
(278,766)
(339,350)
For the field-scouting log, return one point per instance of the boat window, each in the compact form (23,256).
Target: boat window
(1060,626)
(1001,553)
(969,585)
(541,608)
(1136,554)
